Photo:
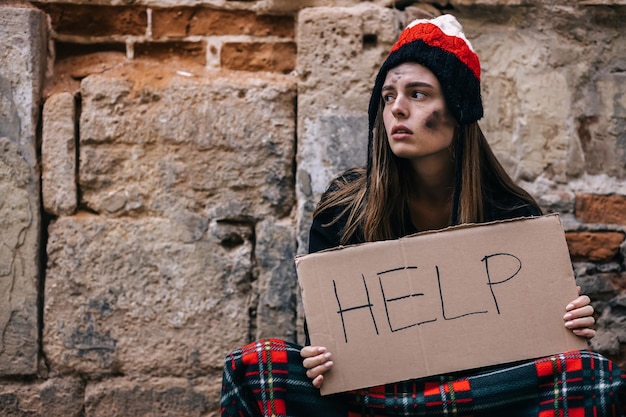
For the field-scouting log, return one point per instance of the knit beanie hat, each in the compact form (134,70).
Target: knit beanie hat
(440,45)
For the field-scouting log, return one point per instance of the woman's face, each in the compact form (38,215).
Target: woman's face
(415,114)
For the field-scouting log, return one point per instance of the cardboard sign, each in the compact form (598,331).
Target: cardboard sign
(439,302)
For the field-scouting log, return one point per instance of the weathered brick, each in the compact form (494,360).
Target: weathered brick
(56,397)
(195,51)
(166,397)
(96,20)
(608,209)
(58,155)
(594,246)
(259,56)
(187,21)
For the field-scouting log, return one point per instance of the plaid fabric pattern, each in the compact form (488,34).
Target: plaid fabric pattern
(266,378)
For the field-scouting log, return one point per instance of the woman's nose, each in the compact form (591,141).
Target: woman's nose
(399,109)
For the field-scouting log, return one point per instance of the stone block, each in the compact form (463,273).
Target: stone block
(22,68)
(526,101)
(154,141)
(166,397)
(259,56)
(23,59)
(493,2)
(330,145)
(336,44)
(58,155)
(19,260)
(290,6)
(601,128)
(151,296)
(55,397)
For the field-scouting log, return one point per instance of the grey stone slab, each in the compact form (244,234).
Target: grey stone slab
(171,144)
(22,68)
(148,296)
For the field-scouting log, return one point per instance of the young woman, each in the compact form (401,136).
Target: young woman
(429,167)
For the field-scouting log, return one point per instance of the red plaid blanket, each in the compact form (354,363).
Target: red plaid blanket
(266,378)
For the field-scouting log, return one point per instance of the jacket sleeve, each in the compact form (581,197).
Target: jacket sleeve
(323,233)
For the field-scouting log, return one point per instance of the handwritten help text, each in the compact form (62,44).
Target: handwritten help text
(494,275)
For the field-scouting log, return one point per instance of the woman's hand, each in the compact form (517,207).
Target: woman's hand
(579,317)
(316,361)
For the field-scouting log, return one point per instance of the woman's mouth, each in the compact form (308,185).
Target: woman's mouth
(401,132)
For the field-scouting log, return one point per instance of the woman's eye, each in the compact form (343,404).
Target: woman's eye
(418,95)
(387,98)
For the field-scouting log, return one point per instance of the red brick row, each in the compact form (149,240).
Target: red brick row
(606,209)
(594,246)
(170,27)
(597,246)
(103,20)
(187,21)
(96,20)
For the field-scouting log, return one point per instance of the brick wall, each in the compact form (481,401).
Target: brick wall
(228,39)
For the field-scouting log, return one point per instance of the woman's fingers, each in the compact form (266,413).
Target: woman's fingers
(317,382)
(580,323)
(579,317)
(309,351)
(319,370)
(587,333)
(586,311)
(581,301)
(317,360)
(314,356)
(314,361)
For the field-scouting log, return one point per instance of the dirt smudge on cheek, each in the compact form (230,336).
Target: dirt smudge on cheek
(433,120)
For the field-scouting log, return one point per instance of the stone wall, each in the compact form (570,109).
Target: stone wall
(161,161)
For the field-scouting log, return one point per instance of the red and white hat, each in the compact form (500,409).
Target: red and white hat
(440,45)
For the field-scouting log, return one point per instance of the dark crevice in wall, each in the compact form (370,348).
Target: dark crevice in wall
(402,4)
(46,218)
(294,164)
(69,49)
(78,105)
(253,278)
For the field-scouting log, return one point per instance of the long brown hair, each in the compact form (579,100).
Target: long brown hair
(375,199)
